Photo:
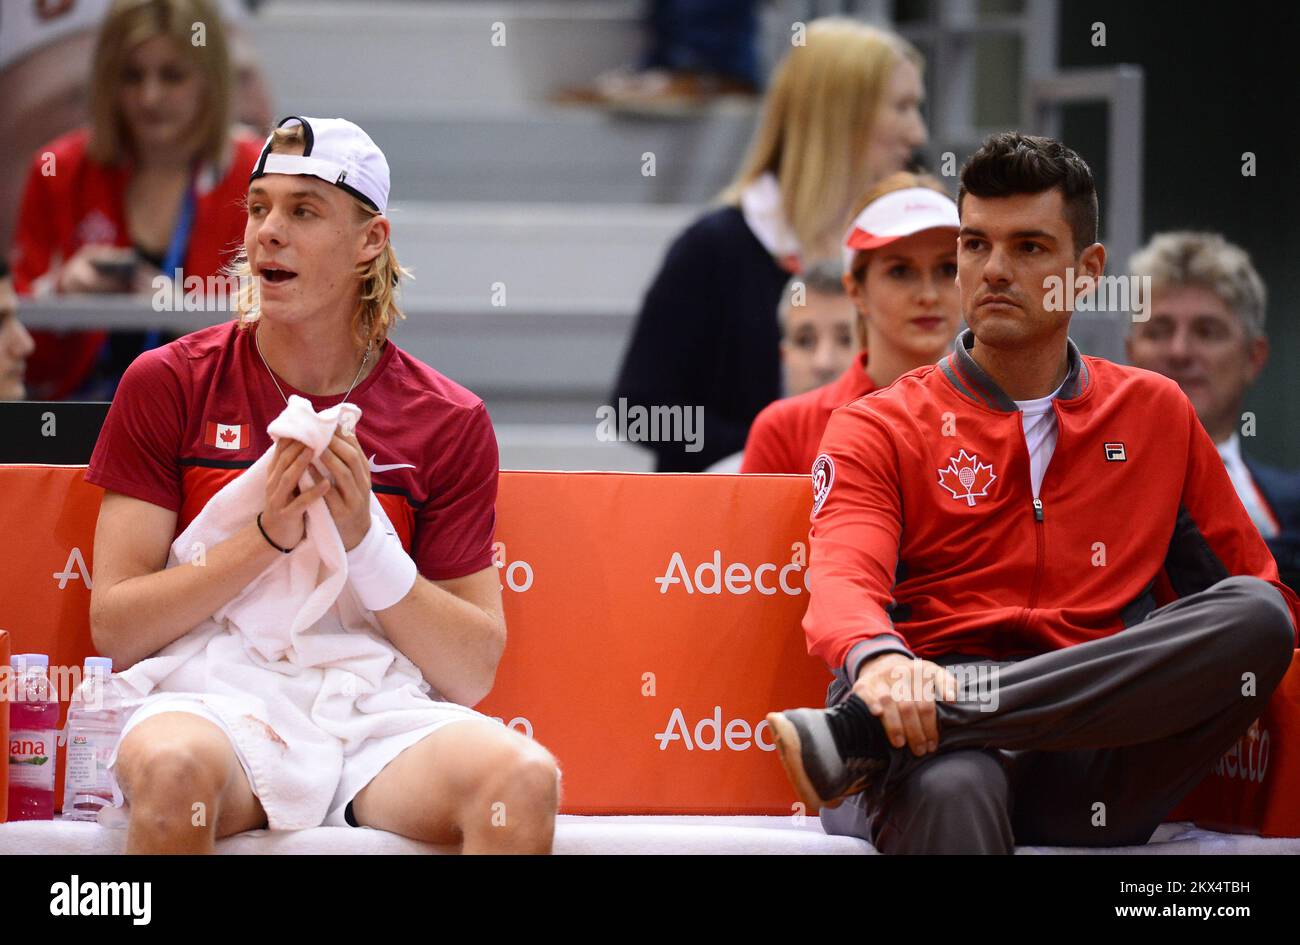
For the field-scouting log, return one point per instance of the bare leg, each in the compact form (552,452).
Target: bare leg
(480,784)
(185,786)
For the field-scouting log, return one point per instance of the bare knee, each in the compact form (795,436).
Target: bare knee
(523,785)
(173,778)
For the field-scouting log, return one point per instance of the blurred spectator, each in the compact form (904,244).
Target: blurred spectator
(154,184)
(45,53)
(252,98)
(820,331)
(45,56)
(821,335)
(15,343)
(900,269)
(699,50)
(843,111)
(1206,331)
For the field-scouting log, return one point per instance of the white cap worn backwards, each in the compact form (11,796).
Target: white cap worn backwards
(336,151)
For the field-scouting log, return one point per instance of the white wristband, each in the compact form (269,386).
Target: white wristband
(379,569)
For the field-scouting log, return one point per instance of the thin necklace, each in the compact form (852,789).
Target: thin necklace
(258,343)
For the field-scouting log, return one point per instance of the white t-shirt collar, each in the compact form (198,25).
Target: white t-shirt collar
(1230,451)
(1039,404)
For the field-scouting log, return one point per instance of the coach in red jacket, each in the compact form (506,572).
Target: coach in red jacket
(1046,610)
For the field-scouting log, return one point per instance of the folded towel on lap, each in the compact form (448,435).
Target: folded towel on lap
(314,696)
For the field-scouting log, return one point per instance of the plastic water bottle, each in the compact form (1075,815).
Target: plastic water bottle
(33,733)
(95,720)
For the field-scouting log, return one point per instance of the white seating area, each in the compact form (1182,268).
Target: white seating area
(743,836)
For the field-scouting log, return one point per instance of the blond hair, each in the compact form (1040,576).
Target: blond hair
(899,180)
(132,22)
(378,280)
(817,119)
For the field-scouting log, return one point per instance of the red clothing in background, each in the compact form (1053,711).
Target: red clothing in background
(71,200)
(786,433)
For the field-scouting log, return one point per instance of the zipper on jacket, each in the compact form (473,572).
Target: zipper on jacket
(1039,540)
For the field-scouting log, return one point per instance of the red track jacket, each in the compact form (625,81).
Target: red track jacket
(926,537)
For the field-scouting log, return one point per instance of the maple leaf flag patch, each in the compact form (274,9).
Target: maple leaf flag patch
(226,436)
(966,477)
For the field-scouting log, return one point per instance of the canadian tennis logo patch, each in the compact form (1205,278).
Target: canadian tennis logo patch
(966,477)
(823,475)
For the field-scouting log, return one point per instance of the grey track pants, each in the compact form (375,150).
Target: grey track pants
(1091,745)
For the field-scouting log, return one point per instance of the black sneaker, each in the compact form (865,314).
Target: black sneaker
(830,754)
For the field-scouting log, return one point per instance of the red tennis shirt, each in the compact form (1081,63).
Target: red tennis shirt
(190,416)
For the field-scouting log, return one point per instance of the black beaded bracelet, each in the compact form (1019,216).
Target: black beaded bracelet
(268,537)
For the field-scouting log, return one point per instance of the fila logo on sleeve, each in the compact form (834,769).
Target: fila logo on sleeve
(226,436)
(1115,453)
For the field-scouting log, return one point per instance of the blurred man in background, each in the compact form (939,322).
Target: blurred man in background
(820,329)
(15,343)
(821,335)
(1206,331)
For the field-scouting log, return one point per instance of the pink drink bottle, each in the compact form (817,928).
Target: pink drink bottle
(33,734)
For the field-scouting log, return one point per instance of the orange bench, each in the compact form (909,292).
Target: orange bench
(654,620)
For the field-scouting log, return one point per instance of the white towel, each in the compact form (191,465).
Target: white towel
(316,697)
